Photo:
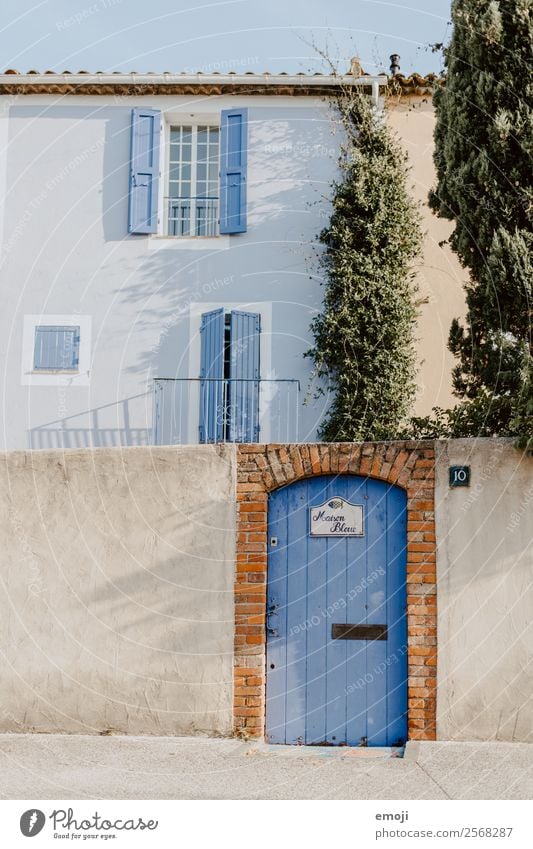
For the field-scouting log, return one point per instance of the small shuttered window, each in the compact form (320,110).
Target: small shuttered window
(57,348)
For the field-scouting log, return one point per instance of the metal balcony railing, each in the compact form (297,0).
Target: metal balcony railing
(193,410)
(192,216)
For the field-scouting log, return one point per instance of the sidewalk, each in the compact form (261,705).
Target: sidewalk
(58,767)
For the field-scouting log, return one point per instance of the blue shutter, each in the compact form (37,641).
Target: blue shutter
(56,348)
(144,170)
(212,407)
(244,376)
(233,161)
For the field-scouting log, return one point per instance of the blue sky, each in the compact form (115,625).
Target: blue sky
(255,35)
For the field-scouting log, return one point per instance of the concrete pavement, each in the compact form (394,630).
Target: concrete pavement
(43,766)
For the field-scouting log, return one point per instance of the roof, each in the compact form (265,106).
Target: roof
(216,83)
(414,84)
(84,82)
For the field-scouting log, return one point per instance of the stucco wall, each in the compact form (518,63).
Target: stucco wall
(116,610)
(440,276)
(65,251)
(117,581)
(485,593)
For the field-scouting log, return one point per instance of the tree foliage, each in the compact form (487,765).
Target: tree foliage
(363,338)
(484,141)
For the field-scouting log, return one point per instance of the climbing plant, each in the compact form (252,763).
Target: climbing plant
(364,336)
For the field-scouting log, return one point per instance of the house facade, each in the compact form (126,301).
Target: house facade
(158,257)
(158,262)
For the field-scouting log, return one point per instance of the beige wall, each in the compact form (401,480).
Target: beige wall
(116,592)
(485,593)
(117,571)
(440,275)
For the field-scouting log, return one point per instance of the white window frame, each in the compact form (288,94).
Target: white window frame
(80,376)
(194,121)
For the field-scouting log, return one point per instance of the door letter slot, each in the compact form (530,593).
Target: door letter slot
(358,632)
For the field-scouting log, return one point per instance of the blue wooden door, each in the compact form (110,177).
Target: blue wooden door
(323,689)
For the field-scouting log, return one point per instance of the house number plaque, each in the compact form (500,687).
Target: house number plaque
(459,476)
(336,518)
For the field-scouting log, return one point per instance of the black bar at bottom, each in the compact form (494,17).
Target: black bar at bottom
(359,632)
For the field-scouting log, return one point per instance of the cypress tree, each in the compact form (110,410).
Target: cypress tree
(484,141)
(363,338)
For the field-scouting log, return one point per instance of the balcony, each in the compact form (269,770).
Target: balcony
(197,410)
(192,216)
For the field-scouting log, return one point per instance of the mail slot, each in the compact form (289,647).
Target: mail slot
(359,632)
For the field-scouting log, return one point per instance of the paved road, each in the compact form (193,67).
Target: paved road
(77,767)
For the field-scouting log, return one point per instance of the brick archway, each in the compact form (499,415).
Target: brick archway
(263,468)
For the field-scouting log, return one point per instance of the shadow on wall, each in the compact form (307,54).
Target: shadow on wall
(73,432)
(57,179)
(81,178)
(288,182)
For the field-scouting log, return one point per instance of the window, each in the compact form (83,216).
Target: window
(56,348)
(229,376)
(205,189)
(193,181)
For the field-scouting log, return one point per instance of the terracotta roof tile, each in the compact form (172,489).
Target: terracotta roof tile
(414,83)
(170,82)
(157,73)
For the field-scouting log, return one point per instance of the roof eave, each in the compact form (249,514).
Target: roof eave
(33,83)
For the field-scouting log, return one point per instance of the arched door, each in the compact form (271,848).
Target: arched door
(336,613)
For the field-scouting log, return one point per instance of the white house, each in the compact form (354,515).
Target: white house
(158,237)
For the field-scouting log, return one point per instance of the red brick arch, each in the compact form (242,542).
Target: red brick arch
(263,468)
